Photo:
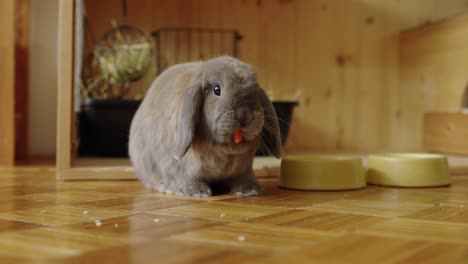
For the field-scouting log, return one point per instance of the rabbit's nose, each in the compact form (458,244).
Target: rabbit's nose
(244,116)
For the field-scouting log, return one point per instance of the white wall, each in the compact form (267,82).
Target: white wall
(43,77)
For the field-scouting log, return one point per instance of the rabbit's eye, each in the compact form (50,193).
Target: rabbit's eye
(217,89)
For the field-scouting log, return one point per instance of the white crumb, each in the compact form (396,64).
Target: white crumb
(98,223)
(241,238)
(222,215)
(85,212)
(116,225)
(156,220)
(43,212)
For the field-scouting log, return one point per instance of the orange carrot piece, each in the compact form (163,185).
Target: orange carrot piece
(238,135)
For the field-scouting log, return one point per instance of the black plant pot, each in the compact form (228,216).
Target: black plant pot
(104,125)
(284,111)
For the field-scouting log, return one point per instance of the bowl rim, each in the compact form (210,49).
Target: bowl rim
(407,156)
(321,157)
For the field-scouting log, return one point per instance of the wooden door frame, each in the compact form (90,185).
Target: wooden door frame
(65,85)
(7,82)
(68,167)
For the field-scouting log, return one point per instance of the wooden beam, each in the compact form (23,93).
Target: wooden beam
(65,85)
(21,78)
(7,82)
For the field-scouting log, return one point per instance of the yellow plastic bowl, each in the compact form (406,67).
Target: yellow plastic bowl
(322,172)
(408,170)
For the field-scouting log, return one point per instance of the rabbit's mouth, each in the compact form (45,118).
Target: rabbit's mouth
(227,139)
(237,148)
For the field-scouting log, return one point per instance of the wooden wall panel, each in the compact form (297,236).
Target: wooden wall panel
(7,76)
(433,72)
(347,65)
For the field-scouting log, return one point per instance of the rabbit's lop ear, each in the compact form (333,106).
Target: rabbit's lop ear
(189,114)
(271,135)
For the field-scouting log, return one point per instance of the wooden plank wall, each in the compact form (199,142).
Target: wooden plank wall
(341,55)
(347,69)
(7,76)
(433,71)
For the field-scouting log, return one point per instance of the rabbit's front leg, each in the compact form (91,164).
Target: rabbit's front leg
(245,185)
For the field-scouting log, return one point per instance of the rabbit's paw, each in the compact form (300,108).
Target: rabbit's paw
(250,189)
(196,189)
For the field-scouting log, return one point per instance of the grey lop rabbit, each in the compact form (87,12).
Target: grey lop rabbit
(201,123)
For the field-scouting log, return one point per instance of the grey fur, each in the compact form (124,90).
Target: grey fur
(181,136)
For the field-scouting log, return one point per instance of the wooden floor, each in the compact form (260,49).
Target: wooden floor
(45,221)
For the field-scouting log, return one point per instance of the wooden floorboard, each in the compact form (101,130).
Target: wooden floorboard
(47,221)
